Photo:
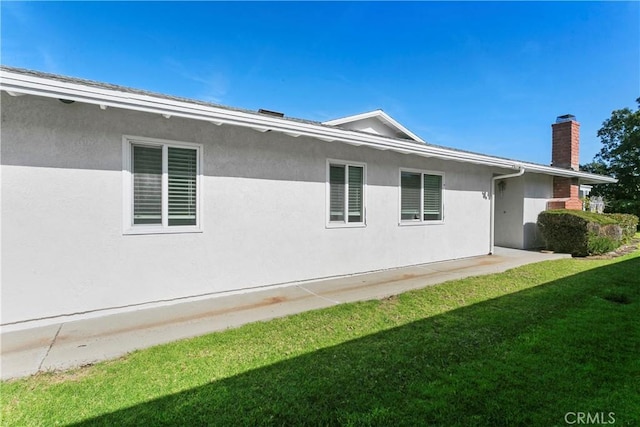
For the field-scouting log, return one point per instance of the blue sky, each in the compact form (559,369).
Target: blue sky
(480,76)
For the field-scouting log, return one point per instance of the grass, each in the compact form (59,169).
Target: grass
(524,347)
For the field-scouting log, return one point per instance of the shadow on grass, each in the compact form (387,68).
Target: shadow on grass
(526,358)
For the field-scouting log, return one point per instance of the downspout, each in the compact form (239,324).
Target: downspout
(492,227)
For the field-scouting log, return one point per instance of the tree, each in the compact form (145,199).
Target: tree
(619,157)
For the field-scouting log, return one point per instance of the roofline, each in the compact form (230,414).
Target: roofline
(375,113)
(16,83)
(584,177)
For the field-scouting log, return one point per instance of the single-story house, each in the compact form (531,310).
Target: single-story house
(119,199)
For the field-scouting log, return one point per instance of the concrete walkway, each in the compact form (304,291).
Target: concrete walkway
(81,342)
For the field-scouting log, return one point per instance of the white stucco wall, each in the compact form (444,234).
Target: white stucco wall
(537,191)
(63,247)
(509,212)
(517,207)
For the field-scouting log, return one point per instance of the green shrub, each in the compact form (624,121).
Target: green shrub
(600,244)
(563,232)
(628,222)
(597,218)
(579,233)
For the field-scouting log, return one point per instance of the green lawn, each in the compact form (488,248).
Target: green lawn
(521,348)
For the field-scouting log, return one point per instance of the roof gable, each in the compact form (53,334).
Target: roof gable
(376,122)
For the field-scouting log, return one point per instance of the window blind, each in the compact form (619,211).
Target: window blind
(336,192)
(182,171)
(356,182)
(432,197)
(147,185)
(410,187)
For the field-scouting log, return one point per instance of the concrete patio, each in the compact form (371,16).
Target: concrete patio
(80,342)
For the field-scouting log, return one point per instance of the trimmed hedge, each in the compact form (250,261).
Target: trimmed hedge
(584,233)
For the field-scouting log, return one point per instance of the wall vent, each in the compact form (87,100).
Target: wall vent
(271,113)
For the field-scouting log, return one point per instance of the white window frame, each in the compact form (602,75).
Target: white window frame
(127,188)
(421,220)
(345,223)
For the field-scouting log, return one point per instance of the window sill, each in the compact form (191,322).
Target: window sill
(345,225)
(161,230)
(414,223)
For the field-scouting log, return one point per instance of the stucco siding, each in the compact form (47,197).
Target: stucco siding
(518,203)
(509,212)
(538,191)
(263,213)
(370,125)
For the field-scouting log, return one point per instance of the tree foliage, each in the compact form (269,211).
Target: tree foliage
(619,157)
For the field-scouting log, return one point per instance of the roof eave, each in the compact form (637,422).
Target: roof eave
(584,177)
(16,83)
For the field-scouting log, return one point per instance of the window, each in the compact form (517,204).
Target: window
(420,196)
(346,183)
(162,186)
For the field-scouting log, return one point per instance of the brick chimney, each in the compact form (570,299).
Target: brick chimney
(565,142)
(565,154)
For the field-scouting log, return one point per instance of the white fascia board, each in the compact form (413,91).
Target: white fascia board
(397,125)
(584,177)
(39,86)
(378,114)
(51,88)
(354,118)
